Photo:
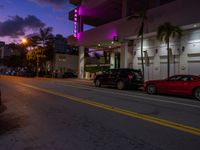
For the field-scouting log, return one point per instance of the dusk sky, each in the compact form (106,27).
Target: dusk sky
(22,17)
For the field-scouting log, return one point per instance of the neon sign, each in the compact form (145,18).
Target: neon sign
(76,22)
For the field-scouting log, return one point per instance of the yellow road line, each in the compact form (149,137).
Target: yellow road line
(174,125)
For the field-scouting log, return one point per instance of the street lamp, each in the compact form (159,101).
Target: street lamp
(24,40)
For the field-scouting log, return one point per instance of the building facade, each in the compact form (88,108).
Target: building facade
(117,33)
(64,62)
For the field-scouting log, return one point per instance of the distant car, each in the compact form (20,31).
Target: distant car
(187,85)
(121,78)
(26,73)
(69,75)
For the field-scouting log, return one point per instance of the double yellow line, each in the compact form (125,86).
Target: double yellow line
(174,125)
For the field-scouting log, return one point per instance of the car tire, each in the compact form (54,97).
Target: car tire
(196,93)
(97,83)
(151,89)
(120,85)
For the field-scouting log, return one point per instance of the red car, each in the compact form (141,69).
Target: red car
(188,85)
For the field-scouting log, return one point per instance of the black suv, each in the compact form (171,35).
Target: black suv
(121,78)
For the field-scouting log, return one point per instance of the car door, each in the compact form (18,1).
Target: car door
(169,85)
(105,77)
(180,85)
(162,86)
(112,77)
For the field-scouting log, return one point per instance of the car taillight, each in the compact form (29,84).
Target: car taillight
(130,75)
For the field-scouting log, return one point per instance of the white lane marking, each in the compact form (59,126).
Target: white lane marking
(135,96)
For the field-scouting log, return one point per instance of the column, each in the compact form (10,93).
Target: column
(81,63)
(183,54)
(183,60)
(156,64)
(112,60)
(124,55)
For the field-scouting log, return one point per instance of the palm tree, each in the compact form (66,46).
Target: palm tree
(164,33)
(45,35)
(33,41)
(142,16)
(46,41)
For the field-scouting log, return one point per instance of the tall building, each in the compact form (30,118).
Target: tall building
(60,46)
(115,31)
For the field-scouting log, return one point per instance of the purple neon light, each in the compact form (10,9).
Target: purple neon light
(78,36)
(75,22)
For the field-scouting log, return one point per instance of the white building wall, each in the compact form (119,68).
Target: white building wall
(64,62)
(185,57)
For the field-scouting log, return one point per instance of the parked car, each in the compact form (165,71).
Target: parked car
(187,85)
(69,74)
(121,78)
(26,73)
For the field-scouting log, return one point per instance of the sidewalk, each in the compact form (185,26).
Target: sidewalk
(79,81)
(83,81)
(73,80)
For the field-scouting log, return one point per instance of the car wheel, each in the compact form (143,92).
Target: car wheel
(151,89)
(97,83)
(197,93)
(120,85)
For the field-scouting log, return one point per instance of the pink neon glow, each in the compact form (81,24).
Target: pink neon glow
(76,13)
(78,36)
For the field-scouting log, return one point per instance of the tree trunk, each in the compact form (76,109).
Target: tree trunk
(141,32)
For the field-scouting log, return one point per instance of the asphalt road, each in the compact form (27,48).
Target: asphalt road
(50,114)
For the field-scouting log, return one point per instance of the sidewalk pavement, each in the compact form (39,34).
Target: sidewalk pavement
(82,81)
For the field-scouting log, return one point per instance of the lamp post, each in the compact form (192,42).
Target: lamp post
(24,40)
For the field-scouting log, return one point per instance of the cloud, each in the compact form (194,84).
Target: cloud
(17,26)
(57,4)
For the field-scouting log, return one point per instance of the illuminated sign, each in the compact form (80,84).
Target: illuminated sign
(76,22)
